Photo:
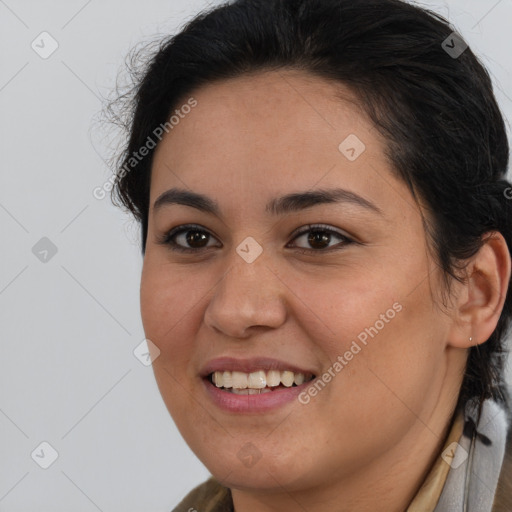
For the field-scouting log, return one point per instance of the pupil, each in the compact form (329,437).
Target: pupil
(194,238)
(319,239)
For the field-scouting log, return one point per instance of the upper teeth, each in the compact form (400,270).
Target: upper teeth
(257,380)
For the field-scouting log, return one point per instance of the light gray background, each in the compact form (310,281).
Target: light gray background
(69,326)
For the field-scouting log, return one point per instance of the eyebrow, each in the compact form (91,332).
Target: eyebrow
(289,203)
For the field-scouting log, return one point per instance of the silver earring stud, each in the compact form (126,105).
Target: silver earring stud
(470,339)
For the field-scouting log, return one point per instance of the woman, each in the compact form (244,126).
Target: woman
(326,229)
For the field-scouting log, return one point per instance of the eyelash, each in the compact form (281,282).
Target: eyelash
(167,238)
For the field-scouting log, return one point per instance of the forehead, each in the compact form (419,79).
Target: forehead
(269,110)
(272,131)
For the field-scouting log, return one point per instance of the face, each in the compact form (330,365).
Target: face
(286,255)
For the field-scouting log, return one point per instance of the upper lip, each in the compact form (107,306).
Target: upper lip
(250,365)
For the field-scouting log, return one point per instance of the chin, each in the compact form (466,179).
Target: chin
(258,478)
(247,468)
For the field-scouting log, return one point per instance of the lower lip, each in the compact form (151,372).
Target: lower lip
(253,403)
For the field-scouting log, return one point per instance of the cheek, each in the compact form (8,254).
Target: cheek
(166,294)
(391,367)
(386,331)
(397,376)
(170,307)
(336,306)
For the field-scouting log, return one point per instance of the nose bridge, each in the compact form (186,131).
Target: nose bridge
(248,295)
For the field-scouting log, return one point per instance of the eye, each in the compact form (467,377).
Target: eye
(318,238)
(189,238)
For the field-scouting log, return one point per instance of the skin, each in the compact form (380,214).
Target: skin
(368,439)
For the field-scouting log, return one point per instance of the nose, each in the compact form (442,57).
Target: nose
(249,296)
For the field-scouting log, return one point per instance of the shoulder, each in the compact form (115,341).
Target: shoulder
(210,496)
(503,499)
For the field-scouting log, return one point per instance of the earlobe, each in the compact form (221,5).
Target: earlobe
(479,305)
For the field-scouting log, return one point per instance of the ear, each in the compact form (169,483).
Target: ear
(479,304)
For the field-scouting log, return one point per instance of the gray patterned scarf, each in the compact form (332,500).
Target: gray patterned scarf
(477,460)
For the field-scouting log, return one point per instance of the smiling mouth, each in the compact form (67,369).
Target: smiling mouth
(258,382)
